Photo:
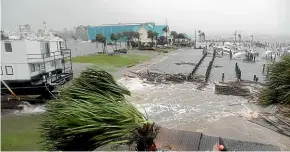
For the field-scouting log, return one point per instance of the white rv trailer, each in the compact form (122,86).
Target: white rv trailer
(32,65)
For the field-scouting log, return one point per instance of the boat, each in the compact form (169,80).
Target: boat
(33,65)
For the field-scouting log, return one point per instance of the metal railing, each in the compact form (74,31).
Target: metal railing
(64,56)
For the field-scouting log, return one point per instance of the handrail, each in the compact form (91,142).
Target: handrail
(61,51)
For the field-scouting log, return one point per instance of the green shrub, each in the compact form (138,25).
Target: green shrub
(278,83)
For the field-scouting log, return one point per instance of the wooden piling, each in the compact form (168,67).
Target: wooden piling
(263,68)
(198,64)
(207,74)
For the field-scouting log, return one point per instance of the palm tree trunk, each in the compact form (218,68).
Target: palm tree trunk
(166,39)
(103,46)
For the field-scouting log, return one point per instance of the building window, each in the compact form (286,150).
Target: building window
(52,64)
(9,70)
(1,70)
(37,66)
(32,67)
(47,49)
(42,66)
(8,47)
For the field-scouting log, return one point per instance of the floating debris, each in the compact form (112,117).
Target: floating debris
(173,78)
(235,90)
(186,63)
(217,66)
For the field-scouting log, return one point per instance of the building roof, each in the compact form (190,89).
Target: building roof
(186,36)
(49,37)
(159,29)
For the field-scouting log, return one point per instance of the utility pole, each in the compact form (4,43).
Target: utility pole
(195,36)
(166,31)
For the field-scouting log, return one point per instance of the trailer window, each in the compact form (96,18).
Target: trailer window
(32,67)
(47,49)
(9,70)
(52,63)
(37,66)
(8,47)
(42,65)
(1,70)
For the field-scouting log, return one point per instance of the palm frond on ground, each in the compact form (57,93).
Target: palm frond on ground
(278,83)
(92,112)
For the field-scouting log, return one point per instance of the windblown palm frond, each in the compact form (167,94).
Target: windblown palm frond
(278,83)
(91,113)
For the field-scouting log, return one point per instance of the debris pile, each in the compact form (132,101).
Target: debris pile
(186,63)
(167,78)
(235,90)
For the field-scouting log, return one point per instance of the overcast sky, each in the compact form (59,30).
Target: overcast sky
(210,16)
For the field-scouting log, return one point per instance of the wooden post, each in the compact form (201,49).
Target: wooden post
(148,73)
(263,68)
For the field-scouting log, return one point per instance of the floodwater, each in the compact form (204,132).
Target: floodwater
(184,107)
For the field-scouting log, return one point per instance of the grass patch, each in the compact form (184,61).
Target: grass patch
(20,133)
(107,60)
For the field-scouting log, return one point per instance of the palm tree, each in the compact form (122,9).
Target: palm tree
(152,35)
(115,37)
(240,37)
(277,88)
(203,36)
(173,34)
(4,36)
(121,36)
(180,36)
(102,39)
(235,34)
(137,36)
(93,112)
(75,38)
(199,32)
(165,29)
